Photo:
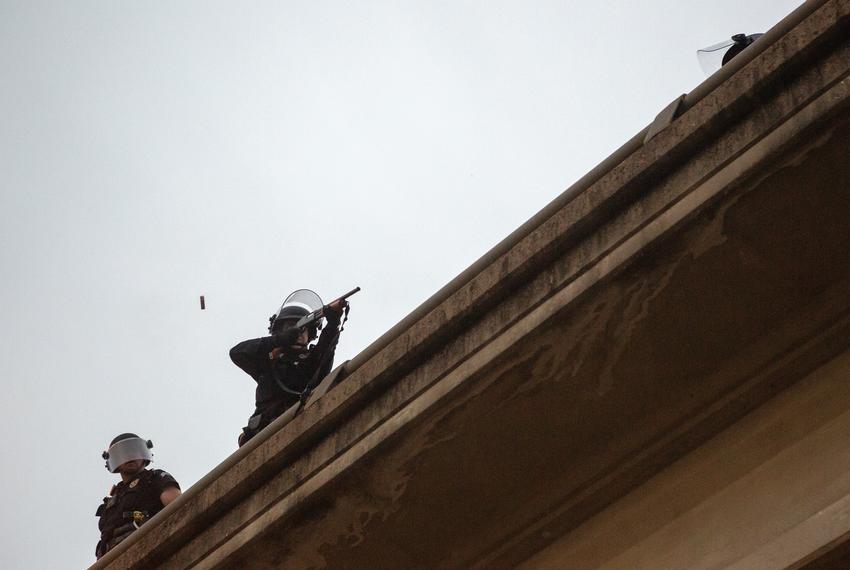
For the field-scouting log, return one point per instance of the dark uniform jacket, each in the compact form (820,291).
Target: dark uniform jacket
(283,376)
(141,494)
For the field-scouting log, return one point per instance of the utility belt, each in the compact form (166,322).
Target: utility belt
(134,519)
(111,538)
(138,517)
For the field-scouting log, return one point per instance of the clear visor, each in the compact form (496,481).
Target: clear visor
(304,299)
(129,449)
(711,58)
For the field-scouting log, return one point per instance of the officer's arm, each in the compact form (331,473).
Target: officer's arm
(326,346)
(253,355)
(168,487)
(169,495)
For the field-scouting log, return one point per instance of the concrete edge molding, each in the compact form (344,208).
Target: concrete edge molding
(809,36)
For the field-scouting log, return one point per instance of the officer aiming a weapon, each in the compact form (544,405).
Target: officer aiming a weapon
(284,364)
(140,495)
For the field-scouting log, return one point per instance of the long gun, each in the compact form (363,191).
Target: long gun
(310,318)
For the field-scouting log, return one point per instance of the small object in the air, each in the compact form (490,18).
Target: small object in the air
(203,304)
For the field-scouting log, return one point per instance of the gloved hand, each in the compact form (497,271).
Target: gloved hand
(333,312)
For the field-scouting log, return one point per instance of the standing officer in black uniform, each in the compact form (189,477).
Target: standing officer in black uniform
(140,495)
(283,364)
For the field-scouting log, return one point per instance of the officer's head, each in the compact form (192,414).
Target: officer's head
(286,317)
(128,452)
(298,304)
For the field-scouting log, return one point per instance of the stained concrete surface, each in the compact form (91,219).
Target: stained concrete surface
(592,387)
(677,293)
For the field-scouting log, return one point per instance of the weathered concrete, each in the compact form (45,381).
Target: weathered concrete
(750,498)
(698,277)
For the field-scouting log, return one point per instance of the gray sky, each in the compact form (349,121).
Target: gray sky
(151,152)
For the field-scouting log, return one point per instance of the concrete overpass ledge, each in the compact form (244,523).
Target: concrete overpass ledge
(650,373)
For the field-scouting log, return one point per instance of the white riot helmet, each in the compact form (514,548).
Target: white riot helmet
(127,447)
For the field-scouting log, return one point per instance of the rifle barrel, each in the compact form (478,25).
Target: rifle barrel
(347,295)
(318,313)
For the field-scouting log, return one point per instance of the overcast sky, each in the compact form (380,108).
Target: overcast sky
(152,152)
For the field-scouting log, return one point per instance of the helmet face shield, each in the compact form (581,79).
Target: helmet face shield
(711,58)
(304,299)
(298,304)
(130,449)
(714,57)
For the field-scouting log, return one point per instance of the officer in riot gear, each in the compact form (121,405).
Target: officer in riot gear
(284,364)
(139,495)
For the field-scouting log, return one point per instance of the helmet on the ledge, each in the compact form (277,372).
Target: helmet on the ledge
(741,41)
(716,56)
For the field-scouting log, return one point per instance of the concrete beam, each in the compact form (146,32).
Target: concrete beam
(638,319)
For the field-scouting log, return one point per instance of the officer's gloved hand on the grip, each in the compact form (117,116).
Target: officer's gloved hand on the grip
(334,312)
